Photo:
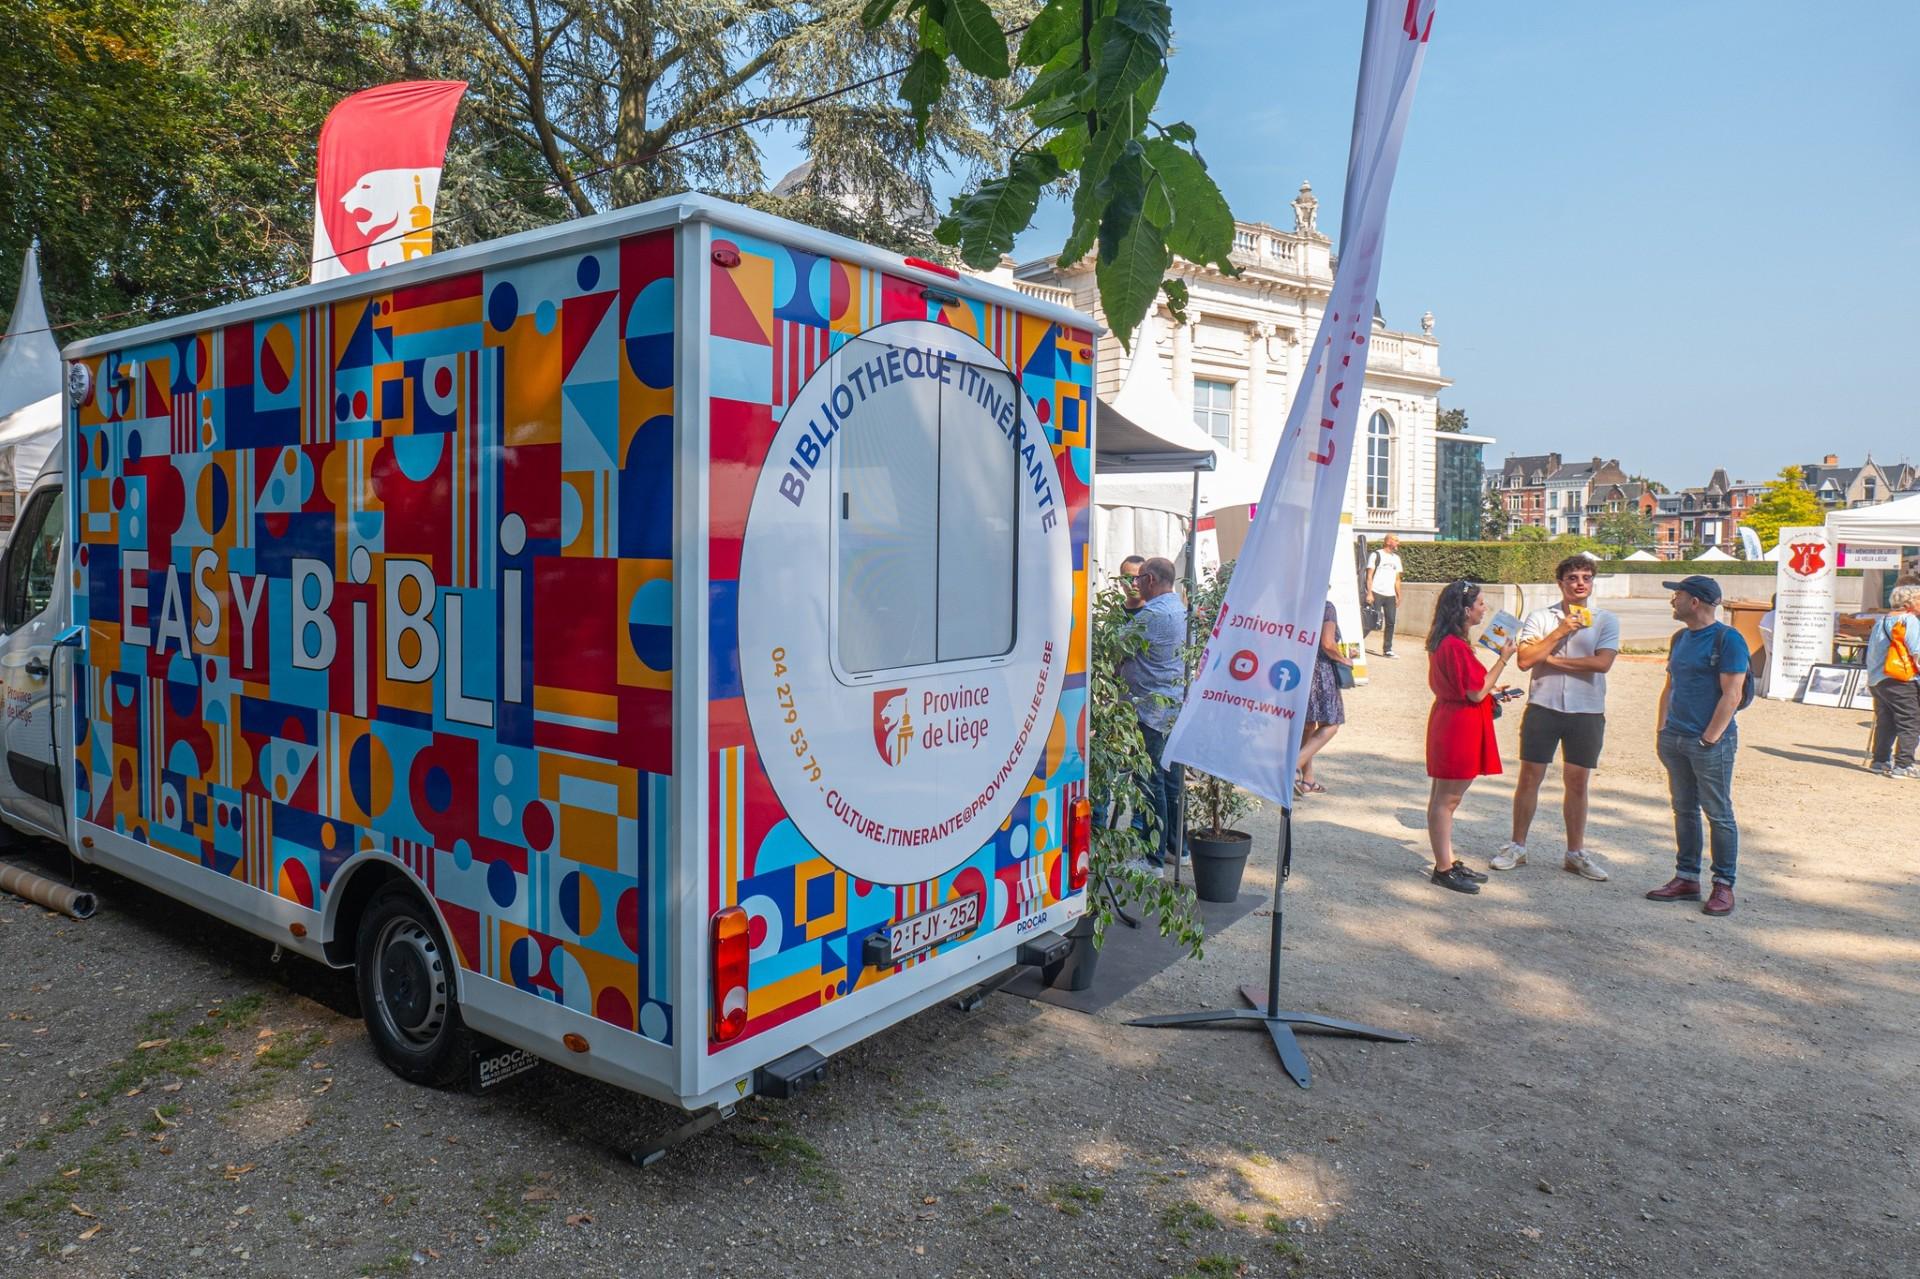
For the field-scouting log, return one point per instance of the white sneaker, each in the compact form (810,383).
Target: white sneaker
(1389,653)
(1585,864)
(1884,769)
(1510,857)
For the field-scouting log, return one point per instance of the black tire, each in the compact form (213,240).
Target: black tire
(404,970)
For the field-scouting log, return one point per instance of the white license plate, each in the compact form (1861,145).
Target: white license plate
(928,929)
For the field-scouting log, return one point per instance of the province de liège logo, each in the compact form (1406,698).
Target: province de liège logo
(892,725)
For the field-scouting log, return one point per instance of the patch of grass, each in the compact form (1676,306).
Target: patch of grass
(781,1147)
(515,1221)
(295,1216)
(160,1113)
(1185,1218)
(97,1172)
(997,1210)
(1215,1265)
(398,1264)
(289,1051)
(1073,1197)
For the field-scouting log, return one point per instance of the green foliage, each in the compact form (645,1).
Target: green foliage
(1625,530)
(1141,191)
(1493,517)
(1530,533)
(1116,760)
(1787,503)
(1213,804)
(1452,421)
(1517,561)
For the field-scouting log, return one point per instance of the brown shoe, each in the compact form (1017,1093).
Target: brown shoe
(1677,890)
(1720,902)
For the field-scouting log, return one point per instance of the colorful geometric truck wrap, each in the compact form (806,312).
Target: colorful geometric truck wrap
(395,575)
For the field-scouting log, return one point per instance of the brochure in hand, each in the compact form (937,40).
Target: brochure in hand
(1501,627)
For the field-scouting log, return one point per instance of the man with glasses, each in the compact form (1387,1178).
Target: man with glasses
(1130,582)
(1569,647)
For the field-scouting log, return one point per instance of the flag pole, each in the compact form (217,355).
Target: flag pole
(1264,1005)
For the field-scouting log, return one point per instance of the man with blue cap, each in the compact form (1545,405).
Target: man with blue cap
(1708,683)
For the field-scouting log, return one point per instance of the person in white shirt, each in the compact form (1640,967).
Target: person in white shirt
(1383,589)
(1569,647)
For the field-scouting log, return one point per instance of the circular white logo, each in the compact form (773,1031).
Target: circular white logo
(906,598)
(79,382)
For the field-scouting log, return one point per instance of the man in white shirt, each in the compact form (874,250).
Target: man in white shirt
(1383,589)
(1569,647)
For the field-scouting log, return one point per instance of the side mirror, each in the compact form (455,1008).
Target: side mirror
(72,637)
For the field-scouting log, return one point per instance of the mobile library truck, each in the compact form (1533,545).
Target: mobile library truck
(656,643)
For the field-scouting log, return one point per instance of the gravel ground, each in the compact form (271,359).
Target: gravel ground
(1601,1086)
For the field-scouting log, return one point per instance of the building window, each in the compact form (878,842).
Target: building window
(1553,499)
(1213,409)
(1380,461)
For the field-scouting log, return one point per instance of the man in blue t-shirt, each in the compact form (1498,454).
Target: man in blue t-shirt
(1706,681)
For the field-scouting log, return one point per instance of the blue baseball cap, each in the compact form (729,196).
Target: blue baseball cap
(1701,588)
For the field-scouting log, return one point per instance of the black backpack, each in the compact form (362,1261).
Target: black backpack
(1746,689)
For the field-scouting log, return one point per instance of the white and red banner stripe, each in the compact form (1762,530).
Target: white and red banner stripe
(1242,718)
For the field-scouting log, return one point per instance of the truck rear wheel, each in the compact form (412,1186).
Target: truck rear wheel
(405,974)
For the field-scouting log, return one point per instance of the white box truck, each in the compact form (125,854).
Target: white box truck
(656,642)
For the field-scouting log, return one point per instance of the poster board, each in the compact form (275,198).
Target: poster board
(1803,626)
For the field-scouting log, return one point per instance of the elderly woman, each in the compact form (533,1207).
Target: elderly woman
(1893,647)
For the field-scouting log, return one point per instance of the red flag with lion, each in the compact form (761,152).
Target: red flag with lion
(381,152)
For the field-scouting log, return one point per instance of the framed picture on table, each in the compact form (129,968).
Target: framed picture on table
(1860,696)
(1828,685)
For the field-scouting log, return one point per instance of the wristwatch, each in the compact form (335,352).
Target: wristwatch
(1704,742)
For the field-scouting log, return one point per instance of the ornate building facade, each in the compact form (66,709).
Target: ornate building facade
(1238,357)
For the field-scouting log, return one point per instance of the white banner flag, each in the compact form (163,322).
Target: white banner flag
(1242,718)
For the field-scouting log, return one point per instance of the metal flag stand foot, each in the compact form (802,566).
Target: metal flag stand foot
(1265,1008)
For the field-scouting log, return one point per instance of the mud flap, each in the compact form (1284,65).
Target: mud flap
(494,1063)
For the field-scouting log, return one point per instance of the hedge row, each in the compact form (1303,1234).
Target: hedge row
(1481,561)
(1535,562)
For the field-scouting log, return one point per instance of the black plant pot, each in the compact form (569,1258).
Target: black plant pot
(1075,972)
(1218,863)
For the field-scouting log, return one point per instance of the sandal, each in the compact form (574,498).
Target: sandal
(1308,788)
(1299,788)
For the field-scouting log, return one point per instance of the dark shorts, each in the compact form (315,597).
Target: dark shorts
(1577,736)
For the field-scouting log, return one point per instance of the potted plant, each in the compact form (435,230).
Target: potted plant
(1117,757)
(1219,850)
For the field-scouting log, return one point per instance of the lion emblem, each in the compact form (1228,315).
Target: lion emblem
(391,207)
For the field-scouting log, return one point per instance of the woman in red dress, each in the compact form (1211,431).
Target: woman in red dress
(1460,741)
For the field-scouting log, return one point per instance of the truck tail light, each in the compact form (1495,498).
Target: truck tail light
(1079,844)
(729,974)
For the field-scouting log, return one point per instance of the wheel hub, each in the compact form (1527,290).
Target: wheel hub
(412,982)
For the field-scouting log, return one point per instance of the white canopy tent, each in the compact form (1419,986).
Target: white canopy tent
(1154,469)
(1888,524)
(28,437)
(1641,556)
(1713,553)
(29,386)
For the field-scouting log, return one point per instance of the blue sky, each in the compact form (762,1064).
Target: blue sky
(1650,229)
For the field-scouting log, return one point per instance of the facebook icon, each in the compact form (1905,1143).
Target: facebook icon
(1283,675)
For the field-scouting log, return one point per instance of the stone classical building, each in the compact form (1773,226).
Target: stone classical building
(1238,357)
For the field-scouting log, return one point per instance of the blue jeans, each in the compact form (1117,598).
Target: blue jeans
(1700,779)
(1162,786)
